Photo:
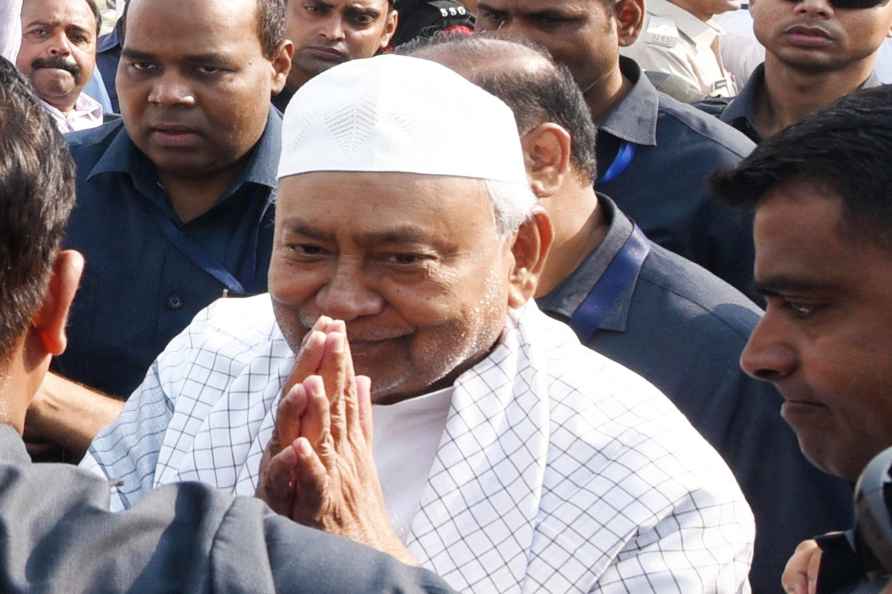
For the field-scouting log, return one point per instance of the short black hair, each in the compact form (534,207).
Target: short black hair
(36,196)
(546,93)
(845,148)
(271,26)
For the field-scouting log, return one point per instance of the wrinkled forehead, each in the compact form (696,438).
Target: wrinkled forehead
(59,13)
(356,201)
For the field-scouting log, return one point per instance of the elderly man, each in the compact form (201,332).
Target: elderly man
(632,300)
(175,202)
(510,456)
(820,190)
(656,153)
(58,55)
(58,536)
(328,32)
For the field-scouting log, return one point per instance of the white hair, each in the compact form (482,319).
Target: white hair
(512,204)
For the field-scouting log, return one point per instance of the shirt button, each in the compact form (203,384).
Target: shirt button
(174,302)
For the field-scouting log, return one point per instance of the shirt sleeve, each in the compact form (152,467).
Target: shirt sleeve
(126,452)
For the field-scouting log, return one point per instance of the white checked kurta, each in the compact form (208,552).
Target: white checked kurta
(558,471)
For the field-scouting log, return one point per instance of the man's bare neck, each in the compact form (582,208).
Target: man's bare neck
(191,197)
(573,242)
(604,93)
(789,95)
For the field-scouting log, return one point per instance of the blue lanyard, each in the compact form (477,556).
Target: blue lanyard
(621,162)
(621,273)
(200,257)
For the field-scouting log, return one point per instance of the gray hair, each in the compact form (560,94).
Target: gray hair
(512,204)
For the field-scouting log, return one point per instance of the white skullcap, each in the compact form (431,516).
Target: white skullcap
(400,114)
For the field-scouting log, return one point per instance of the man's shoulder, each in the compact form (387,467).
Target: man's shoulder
(683,123)
(679,288)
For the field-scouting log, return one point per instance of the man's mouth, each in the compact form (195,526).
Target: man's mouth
(329,54)
(808,35)
(175,135)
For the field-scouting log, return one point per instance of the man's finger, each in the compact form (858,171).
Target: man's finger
(334,376)
(308,359)
(316,421)
(277,481)
(814,566)
(288,418)
(311,484)
(364,407)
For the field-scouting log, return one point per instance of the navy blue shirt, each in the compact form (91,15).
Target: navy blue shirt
(139,289)
(740,111)
(665,188)
(683,329)
(108,54)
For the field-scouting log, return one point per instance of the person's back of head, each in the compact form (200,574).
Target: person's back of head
(36,197)
(525,77)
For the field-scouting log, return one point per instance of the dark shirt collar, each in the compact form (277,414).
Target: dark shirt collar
(109,41)
(741,112)
(123,157)
(12,448)
(634,118)
(569,295)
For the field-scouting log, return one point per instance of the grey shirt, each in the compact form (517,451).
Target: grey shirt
(59,537)
(683,330)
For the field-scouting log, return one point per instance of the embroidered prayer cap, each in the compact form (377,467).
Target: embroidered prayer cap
(400,114)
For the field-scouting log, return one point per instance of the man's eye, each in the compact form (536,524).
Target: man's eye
(363,19)
(308,250)
(209,70)
(141,67)
(39,32)
(800,310)
(311,8)
(406,259)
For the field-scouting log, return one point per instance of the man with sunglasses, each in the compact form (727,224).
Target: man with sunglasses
(816,52)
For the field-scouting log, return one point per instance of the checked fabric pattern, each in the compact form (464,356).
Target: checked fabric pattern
(558,471)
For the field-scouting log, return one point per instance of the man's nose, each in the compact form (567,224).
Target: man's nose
(767,355)
(59,45)
(170,89)
(333,28)
(347,295)
(814,8)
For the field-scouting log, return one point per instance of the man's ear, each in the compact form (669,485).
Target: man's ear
(629,15)
(48,324)
(281,64)
(546,154)
(532,243)
(390,25)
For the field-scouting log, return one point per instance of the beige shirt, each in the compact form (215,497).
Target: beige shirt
(676,43)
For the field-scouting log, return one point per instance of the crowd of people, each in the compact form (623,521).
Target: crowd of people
(433,296)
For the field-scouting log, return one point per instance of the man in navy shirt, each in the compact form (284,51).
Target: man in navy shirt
(174,202)
(656,153)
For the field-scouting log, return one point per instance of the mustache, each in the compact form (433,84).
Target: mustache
(57,62)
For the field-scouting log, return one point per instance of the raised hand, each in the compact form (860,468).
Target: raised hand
(320,471)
